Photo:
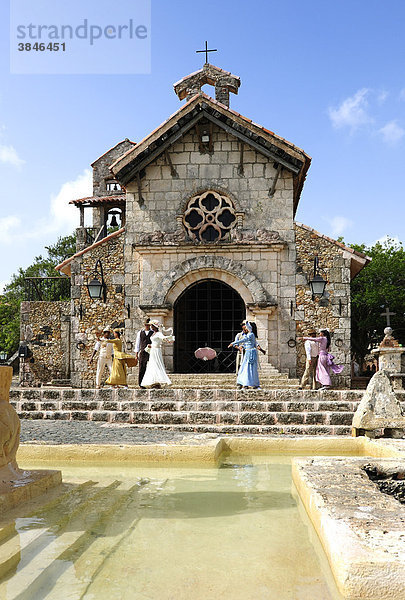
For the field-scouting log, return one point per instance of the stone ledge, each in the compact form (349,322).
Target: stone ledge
(30,485)
(360,528)
(208,451)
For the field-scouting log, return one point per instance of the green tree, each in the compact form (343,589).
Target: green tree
(13,293)
(380,284)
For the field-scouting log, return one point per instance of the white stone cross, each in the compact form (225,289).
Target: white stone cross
(387,314)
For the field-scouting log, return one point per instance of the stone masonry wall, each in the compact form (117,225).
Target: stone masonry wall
(92,315)
(101,170)
(48,324)
(101,173)
(166,196)
(334,312)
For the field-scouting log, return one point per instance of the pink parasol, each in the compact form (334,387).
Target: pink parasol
(205,353)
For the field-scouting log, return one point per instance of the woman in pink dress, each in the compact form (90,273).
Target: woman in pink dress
(325,361)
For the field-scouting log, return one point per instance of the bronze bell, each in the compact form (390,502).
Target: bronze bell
(114,222)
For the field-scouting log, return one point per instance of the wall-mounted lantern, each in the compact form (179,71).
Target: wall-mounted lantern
(317,283)
(96,286)
(3,356)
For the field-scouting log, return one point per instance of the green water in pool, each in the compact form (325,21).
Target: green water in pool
(142,532)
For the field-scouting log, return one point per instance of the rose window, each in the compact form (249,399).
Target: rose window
(209,217)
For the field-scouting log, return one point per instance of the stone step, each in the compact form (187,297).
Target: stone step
(276,412)
(98,555)
(11,548)
(172,406)
(228,381)
(191,382)
(232,386)
(204,377)
(196,418)
(44,560)
(87,395)
(58,383)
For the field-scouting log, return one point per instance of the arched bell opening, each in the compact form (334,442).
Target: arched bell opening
(114,219)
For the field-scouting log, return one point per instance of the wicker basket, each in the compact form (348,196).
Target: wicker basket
(131,362)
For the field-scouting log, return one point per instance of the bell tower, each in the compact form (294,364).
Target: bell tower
(223,81)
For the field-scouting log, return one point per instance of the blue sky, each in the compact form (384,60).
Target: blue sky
(327,76)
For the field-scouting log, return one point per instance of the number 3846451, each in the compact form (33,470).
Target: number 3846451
(42,47)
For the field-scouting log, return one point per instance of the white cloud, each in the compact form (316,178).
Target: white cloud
(338,225)
(8,225)
(391,239)
(9,156)
(392,132)
(382,96)
(62,217)
(352,112)
(402,94)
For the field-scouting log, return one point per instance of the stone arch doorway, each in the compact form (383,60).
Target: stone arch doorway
(207,313)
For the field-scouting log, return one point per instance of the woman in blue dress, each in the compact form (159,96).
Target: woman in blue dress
(248,375)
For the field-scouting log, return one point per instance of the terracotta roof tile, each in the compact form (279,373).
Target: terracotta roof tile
(224,107)
(91,200)
(247,120)
(225,110)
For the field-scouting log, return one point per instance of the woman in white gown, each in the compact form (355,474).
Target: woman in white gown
(155,374)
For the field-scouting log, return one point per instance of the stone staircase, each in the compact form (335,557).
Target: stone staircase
(270,378)
(266,411)
(76,531)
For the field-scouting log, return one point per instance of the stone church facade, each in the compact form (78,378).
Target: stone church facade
(206,206)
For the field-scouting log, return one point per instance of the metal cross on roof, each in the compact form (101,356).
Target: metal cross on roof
(206,52)
(387,314)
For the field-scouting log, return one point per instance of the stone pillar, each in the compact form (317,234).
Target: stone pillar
(65,345)
(222,93)
(389,355)
(266,337)
(81,235)
(389,359)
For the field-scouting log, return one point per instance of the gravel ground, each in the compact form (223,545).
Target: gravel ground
(89,432)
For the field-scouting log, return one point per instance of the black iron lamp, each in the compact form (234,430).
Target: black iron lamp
(317,283)
(96,286)
(3,356)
